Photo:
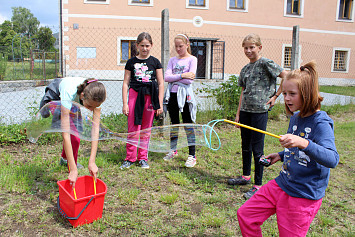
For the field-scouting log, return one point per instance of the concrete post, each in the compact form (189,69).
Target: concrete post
(295,56)
(165,50)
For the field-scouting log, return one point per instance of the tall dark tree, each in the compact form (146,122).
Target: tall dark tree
(24,21)
(45,39)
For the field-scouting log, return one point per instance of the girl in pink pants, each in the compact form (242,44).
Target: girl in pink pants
(296,194)
(144,79)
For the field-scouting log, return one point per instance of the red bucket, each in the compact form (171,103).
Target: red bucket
(88,206)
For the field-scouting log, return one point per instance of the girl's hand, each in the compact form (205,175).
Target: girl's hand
(271,101)
(290,140)
(237,120)
(159,111)
(73,176)
(93,169)
(274,157)
(188,75)
(125,109)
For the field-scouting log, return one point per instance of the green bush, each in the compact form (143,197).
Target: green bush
(115,122)
(227,96)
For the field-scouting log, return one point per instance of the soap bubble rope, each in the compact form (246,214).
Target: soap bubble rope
(156,139)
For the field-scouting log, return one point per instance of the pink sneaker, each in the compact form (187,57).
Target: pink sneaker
(171,155)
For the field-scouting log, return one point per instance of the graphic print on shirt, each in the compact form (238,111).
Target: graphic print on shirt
(178,69)
(141,72)
(295,153)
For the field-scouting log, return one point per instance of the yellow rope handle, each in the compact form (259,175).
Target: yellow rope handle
(248,127)
(73,188)
(94,184)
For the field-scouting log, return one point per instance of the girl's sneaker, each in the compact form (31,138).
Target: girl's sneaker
(191,161)
(250,193)
(144,164)
(62,161)
(126,164)
(171,155)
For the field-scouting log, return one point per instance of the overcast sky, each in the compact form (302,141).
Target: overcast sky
(46,11)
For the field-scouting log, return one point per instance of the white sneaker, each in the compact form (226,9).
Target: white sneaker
(191,161)
(170,155)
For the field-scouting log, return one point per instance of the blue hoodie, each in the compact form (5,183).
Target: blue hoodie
(305,172)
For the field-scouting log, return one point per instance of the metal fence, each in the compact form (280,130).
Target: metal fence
(102,52)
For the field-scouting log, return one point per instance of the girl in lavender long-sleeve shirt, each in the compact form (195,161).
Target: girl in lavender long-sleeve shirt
(180,74)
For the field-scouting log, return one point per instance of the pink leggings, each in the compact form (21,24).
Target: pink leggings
(141,138)
(75,140)
(75,143)
(294,215)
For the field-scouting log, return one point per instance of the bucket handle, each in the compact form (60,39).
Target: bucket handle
(72,218)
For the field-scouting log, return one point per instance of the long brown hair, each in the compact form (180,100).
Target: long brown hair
(306,78)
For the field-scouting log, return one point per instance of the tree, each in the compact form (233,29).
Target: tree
(45,39)
(24,22)
(6,36)
(9,37)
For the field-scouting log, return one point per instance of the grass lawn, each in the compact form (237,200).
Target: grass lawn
(340,90)
(167,199)
(22,71)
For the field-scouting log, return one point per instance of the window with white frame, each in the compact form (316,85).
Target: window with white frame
(293,8)
(197,4)
(97,1)
(126,49)
(341,58)
(85,52)
(140,2)
(345,11)
(237,5)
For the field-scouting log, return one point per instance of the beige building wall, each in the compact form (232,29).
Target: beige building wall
(320,31)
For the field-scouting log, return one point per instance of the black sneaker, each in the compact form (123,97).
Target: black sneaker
(144,164)
(250,193)
(79,166)
(64,162)
(238,181)
(126,164)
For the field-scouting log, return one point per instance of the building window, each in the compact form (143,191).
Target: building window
(237,5)
(345,10)
(286,62)
(200,3)
(340,60)
(197,4)
(126,49)
(97,1)
(85,52)
(294,8)
(140,2)
(287,52)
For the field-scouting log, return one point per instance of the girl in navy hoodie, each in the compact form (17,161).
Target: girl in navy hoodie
(296,194)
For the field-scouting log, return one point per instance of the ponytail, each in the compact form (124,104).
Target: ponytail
(92,89)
